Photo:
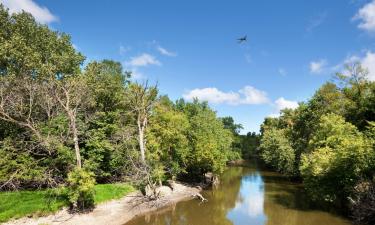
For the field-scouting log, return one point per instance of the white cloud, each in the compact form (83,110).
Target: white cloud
(369,62)
(253,96)
(143,60)
(213,95)
(274,115)
(164,51)
(282,72)
(41,13)
(317,66)
(366,15)
(248,95)
(282,103)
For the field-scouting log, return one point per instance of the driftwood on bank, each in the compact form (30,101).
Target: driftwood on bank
(199,196)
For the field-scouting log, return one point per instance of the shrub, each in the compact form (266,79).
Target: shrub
(80,191)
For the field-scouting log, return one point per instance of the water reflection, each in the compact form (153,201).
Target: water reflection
(250,201)
(246,195)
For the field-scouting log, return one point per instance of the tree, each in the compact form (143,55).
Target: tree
(167,138)
(340,156)
(276,150)
(210,142)
(230,125)
(104,74)
(72,95)
(31,49)
(141,100)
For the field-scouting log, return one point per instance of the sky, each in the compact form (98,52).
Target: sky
(189,48)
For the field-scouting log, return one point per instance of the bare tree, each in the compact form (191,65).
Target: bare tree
(72,95)
(20,104)
(141,101)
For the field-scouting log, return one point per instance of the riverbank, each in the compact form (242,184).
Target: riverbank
(115,212)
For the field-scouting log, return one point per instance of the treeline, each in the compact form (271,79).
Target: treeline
(329,143)
(65,124)
(244,146)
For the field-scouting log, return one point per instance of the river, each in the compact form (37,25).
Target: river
(250,195)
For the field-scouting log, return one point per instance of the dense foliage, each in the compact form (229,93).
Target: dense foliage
(62,124)
(328,141)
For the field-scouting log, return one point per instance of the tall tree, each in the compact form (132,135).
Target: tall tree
(141,100)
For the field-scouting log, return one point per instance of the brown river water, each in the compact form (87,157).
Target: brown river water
(250,195)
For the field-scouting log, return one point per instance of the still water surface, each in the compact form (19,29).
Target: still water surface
(248,195)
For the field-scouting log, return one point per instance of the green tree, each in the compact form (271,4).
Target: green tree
(167,137)
(210,142)
(340,156)
(276,150)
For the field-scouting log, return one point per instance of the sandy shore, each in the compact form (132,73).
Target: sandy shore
(115,212)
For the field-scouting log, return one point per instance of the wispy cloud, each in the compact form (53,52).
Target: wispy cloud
(142,60)
(248,58)
(165,52)
(318,66)
(282,71)
(366,16)
(41,13)
(137,75)
(245,96)
(316,22)
(124,49)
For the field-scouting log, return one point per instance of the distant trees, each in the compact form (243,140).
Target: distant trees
(328,141)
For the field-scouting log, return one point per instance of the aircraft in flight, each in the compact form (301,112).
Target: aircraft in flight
(242,39)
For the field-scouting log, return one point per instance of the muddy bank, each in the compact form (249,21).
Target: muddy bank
(115,212)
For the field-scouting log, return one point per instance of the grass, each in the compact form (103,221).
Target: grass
(18,204)
(105,192)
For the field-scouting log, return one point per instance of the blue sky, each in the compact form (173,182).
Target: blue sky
(189,47)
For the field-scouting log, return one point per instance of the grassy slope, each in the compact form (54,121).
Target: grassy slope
(23,203)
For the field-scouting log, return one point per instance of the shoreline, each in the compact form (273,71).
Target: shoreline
(114,212)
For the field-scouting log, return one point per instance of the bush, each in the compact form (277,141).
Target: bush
(80,190)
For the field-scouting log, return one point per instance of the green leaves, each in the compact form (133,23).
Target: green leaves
(80,190)
(32,49)
(340,156)
(277,151)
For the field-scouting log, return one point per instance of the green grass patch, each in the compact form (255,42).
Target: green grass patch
(105,192)
(22,203)
(18,204)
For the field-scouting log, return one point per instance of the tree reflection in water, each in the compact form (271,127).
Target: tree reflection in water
(246,195)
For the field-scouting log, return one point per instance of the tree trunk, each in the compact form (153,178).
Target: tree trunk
(75,139)
(141,141)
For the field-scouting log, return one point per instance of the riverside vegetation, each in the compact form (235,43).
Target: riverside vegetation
(328,142)
(72,135)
